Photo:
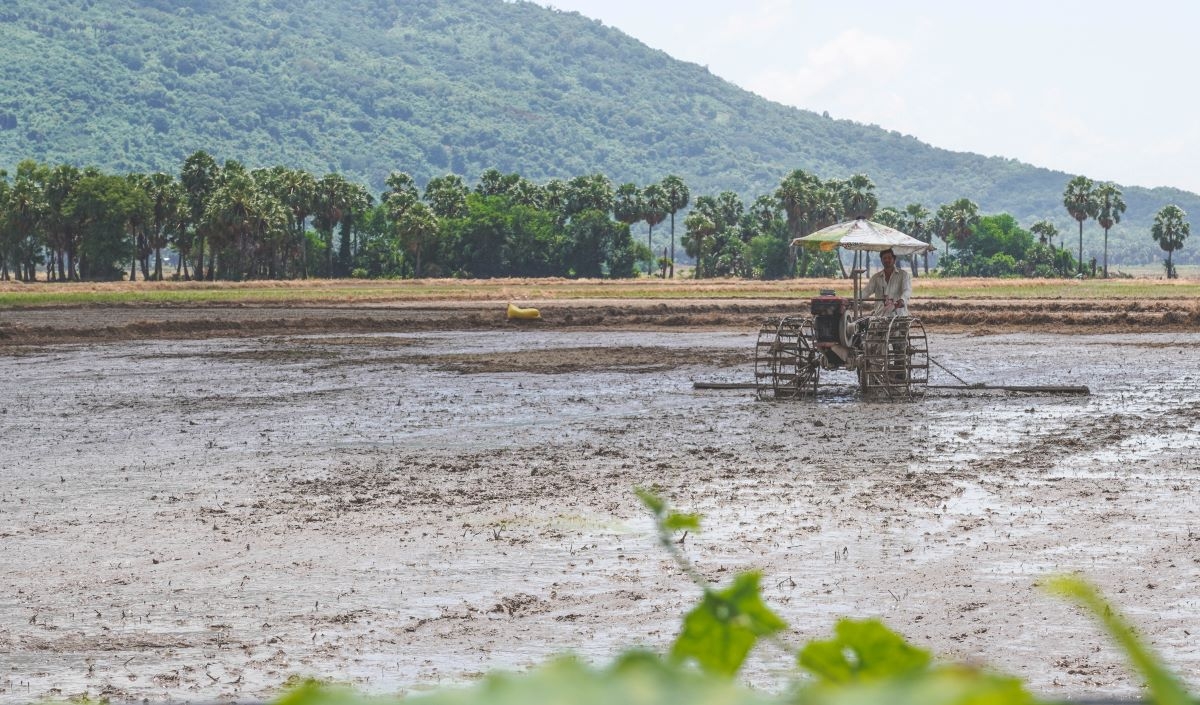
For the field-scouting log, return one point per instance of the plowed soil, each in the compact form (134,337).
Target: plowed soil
(201,503)
(99,323)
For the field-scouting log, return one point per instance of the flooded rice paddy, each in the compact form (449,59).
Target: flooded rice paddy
(204,519)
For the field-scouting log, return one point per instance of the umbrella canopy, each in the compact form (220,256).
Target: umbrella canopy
(863,235)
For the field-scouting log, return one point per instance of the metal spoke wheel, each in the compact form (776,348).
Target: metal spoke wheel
(895,359)
(786,365)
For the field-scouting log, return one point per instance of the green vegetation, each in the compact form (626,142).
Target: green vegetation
(230,223)
(996,246)
(363,88)
(225,222)
(1110,205)
(1169,231)
(863,662)
(1080,201)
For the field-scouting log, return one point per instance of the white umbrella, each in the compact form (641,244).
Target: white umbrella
(865,235)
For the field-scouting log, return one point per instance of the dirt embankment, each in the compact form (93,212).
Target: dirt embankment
(115,323)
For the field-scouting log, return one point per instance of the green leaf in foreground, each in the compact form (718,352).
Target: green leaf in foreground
(314,692)
(862,650)
(653,502)
(944,685)
(725,626)
(677,521)
(635,679)
(1165,689)
(866,663)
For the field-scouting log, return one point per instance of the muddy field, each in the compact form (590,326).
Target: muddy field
(204,519)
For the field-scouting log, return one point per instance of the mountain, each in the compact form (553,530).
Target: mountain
(365,87)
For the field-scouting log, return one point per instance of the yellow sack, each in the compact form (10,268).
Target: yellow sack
(523,314)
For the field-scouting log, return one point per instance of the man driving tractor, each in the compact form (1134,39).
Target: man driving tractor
(890,288)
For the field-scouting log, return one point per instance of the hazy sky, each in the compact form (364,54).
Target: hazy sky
(1107,89)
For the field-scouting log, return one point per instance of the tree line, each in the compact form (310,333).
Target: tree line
(227,222)
(1084,199)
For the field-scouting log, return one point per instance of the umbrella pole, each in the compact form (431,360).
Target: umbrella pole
(854,268)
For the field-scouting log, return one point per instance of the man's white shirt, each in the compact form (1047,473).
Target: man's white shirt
(898,288)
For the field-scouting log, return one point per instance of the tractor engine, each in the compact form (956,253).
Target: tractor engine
(830,319)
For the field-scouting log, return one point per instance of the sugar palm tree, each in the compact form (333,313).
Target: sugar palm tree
(678,197)
(627,204)
(138,224)
(199,178)
(826,208)
(1046,233)
(965,218)
(858,197)
(916,223)
(1109,207)
(554,198)
(940,226)
(332,198)
(728,209)
(413,220)
(762,215)
(224,212)
(954,222)
(801,196)
(593,192)
(358,200)
(1080,201)
(447,196)
(5,244)
(401,193)
(654,211)
(796,194)
(524,192)
(166,200)
(269,229)
(1170,229)
(26,210)
(231,213)
(890,217)
(416,227)
(297,190)
(700,227)
(61,232)
(492,182)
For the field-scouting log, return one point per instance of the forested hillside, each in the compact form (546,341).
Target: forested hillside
(365,87)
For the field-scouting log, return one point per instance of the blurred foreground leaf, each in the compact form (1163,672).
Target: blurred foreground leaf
(725,626)
(314,692)
(676,521)
(653,502)
(862,650)
(635,679)
(945,685)
(867,663)
(1165,689)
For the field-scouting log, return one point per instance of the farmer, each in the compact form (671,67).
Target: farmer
(891,288)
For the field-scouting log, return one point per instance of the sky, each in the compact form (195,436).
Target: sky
(1101,88)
